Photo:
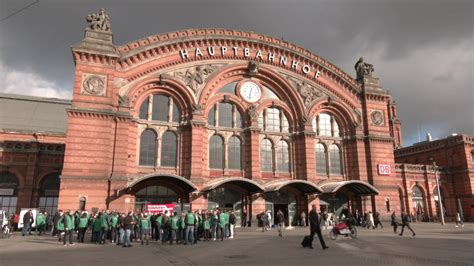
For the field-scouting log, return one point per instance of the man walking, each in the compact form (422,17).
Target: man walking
(27,222)
(280,219)
(315,227)
(406,223)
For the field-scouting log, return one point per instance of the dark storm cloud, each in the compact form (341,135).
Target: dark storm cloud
(422,50)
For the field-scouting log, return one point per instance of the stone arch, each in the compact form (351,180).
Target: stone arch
(168,87)
(344,117)
(239,71)
(232,99)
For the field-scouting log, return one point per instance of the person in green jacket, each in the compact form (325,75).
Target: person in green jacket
(96,228)
(68,222)
(181,228)
(104,226)
(174,227)
(40,223)
(113,226)
(60,225)
(190,223)
(145,226)
(82,226)
(222,223)
(227,224)
(206,227)
(159,221)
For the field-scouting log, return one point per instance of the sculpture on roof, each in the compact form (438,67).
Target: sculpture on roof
(99,21)
(362,69)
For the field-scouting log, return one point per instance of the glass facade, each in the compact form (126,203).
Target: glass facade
(234,154)
(266,155)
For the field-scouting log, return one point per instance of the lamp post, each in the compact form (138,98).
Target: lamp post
(435,167)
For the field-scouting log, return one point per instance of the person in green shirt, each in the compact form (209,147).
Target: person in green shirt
(159,221)
(181,228)
(221,227)
(190,222)
(113,226)
(104,226)
(40,223)
(145,226)
(82,226)
(174,227)
(96,228)
(60,225)
(206,227)
(68,222)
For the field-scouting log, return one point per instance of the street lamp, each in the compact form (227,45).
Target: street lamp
(435,167)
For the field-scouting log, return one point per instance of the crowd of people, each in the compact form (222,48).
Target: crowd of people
(125,228)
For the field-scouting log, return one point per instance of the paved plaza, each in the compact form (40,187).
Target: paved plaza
(433,245)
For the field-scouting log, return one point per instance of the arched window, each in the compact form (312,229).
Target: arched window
(211,116)
(159,111)
(324,125)
(283,158)
(266,155)
(148,148)
(168,149)
(8,192)
(163,109)
(273,120)
(225,115)
(229,116)
(49,193)
(216,152)
(335,159)
(234,153)
(321,164)
(144,109)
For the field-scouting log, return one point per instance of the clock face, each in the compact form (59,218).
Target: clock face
(250,91)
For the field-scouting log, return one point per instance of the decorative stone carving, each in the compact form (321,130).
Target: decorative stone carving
(124,100)
(197,108)
(253,113)
(308,92)
(358,115)
(194,77)
(99,21)
(93,84)
(252,68)
(363,69)
(377,118)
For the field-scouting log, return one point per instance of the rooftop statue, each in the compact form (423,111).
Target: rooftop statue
(362,69)
(99,21)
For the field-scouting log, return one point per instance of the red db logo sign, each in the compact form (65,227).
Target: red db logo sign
(384,169)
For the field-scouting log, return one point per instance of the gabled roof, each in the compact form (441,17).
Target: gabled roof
(28,114)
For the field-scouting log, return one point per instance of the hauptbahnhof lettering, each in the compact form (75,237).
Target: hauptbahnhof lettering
(206,118)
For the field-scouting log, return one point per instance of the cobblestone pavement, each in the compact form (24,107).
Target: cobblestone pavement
(433,245)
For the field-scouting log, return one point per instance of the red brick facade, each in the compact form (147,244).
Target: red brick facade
(196,69)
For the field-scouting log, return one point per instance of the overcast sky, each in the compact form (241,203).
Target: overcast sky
(422,50)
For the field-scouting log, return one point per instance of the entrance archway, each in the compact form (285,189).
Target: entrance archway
(162,189)
(341,195)
(289,196)
(232,194)
(418,202)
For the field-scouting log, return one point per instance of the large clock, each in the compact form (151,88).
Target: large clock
(250,91)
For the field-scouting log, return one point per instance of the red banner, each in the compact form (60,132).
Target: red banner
(159,208)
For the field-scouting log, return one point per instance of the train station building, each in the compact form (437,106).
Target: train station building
(206,118)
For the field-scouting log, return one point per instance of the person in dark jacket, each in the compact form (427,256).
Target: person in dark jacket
(128,224)
(315,227)
(394,222)
(27,222)
(405,222)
